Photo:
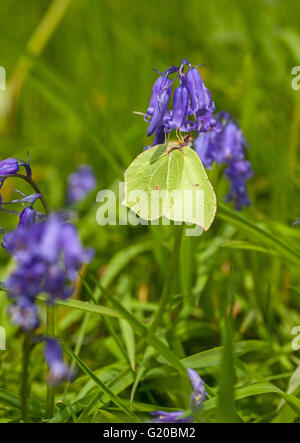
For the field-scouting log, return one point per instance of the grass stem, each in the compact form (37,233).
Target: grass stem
(50,389)
(169,280)
(25,387)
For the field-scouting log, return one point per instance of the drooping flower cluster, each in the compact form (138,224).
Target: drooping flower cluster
(80,183)
(192,106)
(227,147)
(196,401)
(49,255)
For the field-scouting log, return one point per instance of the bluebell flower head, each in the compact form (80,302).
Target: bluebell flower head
(297,222)
(192,106)
(48,255)
(59,370)
(226,145)
(80,183)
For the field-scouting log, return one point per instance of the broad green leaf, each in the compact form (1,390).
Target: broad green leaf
(170,181)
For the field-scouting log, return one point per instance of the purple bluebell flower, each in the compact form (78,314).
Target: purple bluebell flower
(170,417)
(179,114)
(297,222)
(199,394)
(192,107)
(80,183)
(161,106)
(48,255)
(238,194)
(200,96)
(197,398)
(226,145)
(27,217)
(59,370)
(24,314)
(9,166)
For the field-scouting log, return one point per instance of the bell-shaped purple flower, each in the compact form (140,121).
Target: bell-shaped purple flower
(179,114)
(161,106)
(24,314)
(170,417)
(205,150)
(80,183)
(27,217)
(200,96)
(239,169)
(59,370)
(198,396)
(238,194)
(9,166)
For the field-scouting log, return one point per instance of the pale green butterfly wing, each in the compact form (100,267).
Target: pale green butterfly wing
(172,183)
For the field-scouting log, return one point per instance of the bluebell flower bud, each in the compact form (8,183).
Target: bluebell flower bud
(9,166)
(27,217)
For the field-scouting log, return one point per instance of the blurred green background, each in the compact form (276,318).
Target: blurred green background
(76,71)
